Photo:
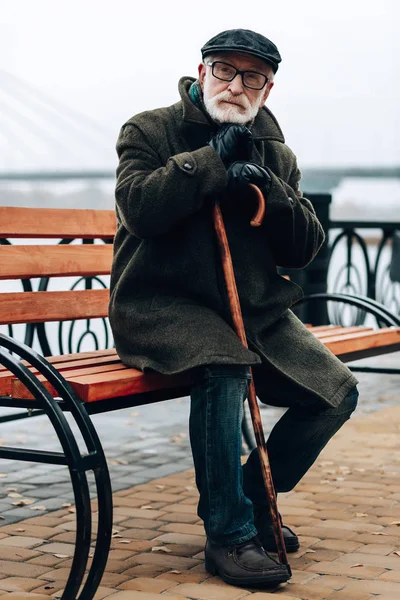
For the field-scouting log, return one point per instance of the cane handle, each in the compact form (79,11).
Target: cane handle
(259,216)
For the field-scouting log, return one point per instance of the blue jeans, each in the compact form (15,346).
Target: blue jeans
(228,490)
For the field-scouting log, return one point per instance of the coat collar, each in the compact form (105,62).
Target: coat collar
(265,125)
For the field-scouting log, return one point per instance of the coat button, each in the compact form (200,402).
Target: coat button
(188,166)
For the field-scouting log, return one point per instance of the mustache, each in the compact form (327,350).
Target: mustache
(226,96)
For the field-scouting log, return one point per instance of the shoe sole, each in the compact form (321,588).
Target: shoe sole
(271,579)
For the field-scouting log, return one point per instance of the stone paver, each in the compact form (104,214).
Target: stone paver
(346,510)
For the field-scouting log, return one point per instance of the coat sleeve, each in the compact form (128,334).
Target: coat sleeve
(151,197)
(294,233)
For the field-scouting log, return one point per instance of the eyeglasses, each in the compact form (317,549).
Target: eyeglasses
(226,72)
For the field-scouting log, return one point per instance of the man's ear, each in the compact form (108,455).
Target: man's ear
(266,93)
(202,74)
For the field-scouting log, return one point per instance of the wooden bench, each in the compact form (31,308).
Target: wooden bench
(84,383)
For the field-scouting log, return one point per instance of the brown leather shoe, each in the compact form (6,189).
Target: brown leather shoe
(245,564)
(262,521)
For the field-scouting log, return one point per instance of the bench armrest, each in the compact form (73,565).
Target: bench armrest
(383,315)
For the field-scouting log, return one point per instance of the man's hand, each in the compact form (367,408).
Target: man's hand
(232,142)
(242,173)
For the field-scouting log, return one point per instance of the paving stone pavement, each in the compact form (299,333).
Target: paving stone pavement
(346,509)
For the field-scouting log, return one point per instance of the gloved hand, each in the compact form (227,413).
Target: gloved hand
(232,142)
(242,173)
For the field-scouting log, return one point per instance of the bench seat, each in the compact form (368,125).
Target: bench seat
(100,375)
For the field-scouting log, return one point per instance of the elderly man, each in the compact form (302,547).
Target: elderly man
(169,308)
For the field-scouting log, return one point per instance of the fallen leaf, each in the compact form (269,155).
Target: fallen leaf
(175,572)
(38,507)
(309,550)
(124,541)
(23,502)
(395,523)
(2,518)
(378,533)
(3,475)
(14,495)
(160,487)
(12,489)
(160,549)
(361,515)
(66,504)
(71,509)
(20,530)
(146,507)
(61,555)
(356,565)
(396,552)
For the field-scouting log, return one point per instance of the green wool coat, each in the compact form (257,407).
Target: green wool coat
(169,308)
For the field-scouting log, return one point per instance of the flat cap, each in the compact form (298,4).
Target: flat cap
(244,40)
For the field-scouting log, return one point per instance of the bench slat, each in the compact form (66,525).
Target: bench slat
(339,331)
(57,358)
(124,383)
(343,344)
(315,328)
(6,377)
(25,262)
(40,307)
(67,223)
(18,390)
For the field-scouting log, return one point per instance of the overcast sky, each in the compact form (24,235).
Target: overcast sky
(336,94)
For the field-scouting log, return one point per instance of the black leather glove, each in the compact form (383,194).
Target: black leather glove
(232,142)
(242,173)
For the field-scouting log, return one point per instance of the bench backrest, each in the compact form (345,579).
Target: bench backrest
(19,261)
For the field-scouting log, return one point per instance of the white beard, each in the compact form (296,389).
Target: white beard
(229,113)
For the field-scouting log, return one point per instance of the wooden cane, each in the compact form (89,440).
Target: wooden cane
(237,319)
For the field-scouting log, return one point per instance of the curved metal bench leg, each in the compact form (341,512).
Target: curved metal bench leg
(103,540)
(71,457)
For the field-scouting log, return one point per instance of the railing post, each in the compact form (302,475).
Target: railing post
(313,279)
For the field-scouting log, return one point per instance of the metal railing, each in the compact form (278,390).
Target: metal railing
(366,265)
(356,258)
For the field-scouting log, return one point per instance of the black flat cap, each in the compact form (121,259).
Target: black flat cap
(244,40)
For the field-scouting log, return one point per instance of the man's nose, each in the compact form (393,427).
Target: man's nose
(236,85)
